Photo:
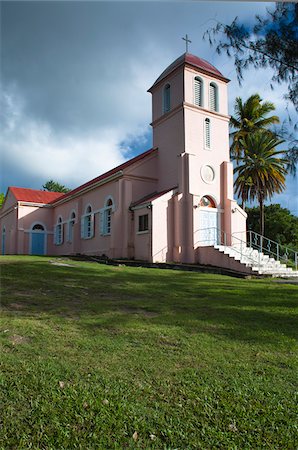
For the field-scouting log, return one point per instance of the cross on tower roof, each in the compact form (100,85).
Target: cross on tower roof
(186,42)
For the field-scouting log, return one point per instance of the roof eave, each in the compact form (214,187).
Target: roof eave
(188,64)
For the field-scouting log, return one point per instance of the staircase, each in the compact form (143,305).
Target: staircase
(257,255)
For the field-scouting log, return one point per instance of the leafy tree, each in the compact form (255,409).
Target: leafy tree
(53,186)
(281,226)
(2,197)
(250,116)
(271,41)
(261,171)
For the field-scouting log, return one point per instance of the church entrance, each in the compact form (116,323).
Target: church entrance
(38,240)
(208,223)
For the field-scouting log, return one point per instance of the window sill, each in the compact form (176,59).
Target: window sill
(143,232)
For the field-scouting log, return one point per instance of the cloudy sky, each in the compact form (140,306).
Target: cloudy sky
(75,75)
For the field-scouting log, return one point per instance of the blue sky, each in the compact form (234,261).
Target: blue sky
(75,75)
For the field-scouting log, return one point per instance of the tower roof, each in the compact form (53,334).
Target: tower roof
(193,61)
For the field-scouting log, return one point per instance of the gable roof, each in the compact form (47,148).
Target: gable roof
(34,195)
(149,198)
(108,174)
(192,60)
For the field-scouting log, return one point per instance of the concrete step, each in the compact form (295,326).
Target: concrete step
(258,262)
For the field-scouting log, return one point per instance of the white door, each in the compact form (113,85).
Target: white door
(208,227)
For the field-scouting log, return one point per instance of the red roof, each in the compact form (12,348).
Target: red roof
(109,173)
(194,61)
(34,196)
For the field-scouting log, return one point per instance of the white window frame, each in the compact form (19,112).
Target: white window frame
(87,223)
(207,134)
(58,232)
(145,230)
(70,226)
(213,85)
(105,221)
(201,84)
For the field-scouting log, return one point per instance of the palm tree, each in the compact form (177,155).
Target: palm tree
(249,117)
(262,169)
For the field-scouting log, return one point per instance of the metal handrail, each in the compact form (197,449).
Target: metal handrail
(221,238)
(272,248)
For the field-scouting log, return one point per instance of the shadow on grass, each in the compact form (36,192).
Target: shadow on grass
(115,297)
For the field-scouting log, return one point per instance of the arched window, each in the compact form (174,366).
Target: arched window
(3,241)
(207,202)
(213,97)
(207,133)
(38,227)
(198,91)
(71,224)
(108,216)
(59,232)
(87,224)
(166,98)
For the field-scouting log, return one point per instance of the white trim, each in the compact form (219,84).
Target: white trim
(202,176)
(59,235)
(88,206)
(143,205)
(205,134)
(198,78)
(215,86)
(113,207)
(29,231)
(212,196)
(73,221)
(44,232)
(39,222)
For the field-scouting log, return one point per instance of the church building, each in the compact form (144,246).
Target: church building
(172,203)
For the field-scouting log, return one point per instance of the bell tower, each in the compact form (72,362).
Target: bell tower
(191,131)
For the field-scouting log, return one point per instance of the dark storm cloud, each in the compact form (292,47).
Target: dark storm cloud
(73,61)
(75,76)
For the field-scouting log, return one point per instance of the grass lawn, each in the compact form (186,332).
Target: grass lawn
(101,357)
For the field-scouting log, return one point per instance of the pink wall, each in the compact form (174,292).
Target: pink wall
(212,257)
(9,222)
(190,74)
(168,136)
(27,217)
(176,82)
(142,240)
(163,228)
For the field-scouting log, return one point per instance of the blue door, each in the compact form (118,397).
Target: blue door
(37,243)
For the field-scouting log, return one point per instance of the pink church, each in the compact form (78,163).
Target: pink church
(172,203)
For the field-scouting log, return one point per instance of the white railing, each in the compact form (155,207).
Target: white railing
(214,236)
(273,249)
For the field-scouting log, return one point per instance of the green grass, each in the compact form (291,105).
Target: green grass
(101,357)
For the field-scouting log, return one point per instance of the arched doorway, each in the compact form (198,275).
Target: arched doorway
(38,240)
(208,222)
